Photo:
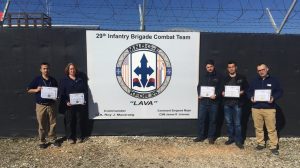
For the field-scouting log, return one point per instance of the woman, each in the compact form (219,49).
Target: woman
(73,93)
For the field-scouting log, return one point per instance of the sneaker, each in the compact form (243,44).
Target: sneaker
(211,141)
(71,141)
(81,140)
(230,141)
(274,151)
(43,146)
(56,144)
(52,140)
(198,139)
(259,147)
(239,145)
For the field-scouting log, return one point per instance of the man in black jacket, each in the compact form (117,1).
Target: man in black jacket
(208,105)
(234,89)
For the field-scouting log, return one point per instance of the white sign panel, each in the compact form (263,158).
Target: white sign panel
(49,93)
(76,98)
(207,91)
(232,91)
(263,95)
(142,75)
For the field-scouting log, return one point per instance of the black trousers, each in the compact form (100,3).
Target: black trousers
(75,118)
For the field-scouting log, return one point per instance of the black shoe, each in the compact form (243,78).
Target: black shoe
(81,140)
(56,144)
(198,139)
(71,141)
(230,141)
(274,151)
(259,147)
(211,141)
(43,146)
(239,145)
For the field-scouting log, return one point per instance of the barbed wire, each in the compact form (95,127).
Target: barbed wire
(205,15)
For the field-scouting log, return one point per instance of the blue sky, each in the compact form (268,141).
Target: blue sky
(163,15)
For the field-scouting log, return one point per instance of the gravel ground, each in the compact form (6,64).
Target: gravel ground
(160,152)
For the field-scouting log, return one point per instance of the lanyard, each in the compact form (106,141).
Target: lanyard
(46,83)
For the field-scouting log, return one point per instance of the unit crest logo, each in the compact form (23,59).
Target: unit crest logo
(143,70)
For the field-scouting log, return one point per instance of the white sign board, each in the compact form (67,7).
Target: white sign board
(262,95)
(207,91)
(232,91)
(77,99)
(49,92)
(142,75)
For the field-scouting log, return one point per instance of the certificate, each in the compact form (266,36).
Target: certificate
(263,95)
(76,98)
(49,93)
(207,91)
(232,91)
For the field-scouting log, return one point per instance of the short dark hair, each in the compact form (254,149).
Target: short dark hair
(232,62)
(259,64)
(211,62)
(45,63)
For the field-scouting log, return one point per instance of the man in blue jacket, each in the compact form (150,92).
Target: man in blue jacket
(264,112)
(208,106)
(45,108)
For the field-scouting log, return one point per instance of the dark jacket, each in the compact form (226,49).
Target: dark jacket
(40,81)
(241,81)
(268,83)
(68,86)
(211,79)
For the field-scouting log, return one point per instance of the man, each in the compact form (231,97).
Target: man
(233,104)
(208,106)
(264,112)
(45,112)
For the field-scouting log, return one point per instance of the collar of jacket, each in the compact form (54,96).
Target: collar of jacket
(213,73)
(77,78)
(237,76)
(260,78)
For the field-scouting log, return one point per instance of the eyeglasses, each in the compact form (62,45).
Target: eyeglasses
(259,70)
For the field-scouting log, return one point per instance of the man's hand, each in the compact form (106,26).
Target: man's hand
(271,99)
(242,92)
(213,97)
(38,89)
(252,100)
(69,104)
(223,93)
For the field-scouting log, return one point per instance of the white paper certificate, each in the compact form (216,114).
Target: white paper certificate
(263,95)
(232,91)
(49,93)
(76,98)
(207,91)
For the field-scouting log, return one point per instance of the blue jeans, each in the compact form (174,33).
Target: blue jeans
(210,111)
(233,116)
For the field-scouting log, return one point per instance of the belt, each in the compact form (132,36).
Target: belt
(45,104)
